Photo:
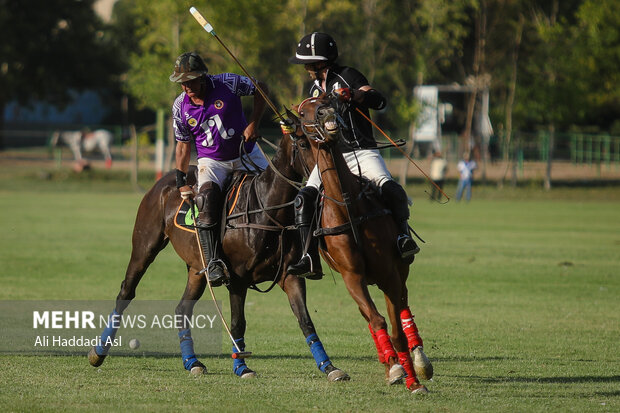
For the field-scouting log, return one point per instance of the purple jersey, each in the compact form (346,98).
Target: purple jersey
(217,127)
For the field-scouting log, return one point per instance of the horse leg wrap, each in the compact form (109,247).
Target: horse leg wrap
(386,344)
(318,352)
(377,345)
(109,333)
(187,348)
(239,366)
(404,359)
(410,329)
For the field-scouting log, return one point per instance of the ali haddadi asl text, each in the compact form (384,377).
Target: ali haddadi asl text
(75,341)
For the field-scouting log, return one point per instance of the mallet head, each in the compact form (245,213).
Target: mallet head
(241,355)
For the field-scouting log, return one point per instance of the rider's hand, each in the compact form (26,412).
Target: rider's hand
(250,133)
(186,192)
(344,94)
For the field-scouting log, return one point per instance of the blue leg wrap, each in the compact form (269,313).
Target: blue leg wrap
(187,348)
(318,352)
(109,333)
(239,365)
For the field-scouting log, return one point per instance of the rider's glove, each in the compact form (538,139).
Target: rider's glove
(344,94)
(287,128)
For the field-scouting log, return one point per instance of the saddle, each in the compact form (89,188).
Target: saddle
(184,218)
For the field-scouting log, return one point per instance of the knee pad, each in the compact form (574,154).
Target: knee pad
(208,201)
(305,205)
(396,199)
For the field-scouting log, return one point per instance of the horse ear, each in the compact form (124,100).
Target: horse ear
(292,116)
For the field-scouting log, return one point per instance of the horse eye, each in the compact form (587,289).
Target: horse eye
(303,144)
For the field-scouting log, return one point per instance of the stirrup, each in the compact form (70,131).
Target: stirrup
(216,278)
(407,247)
(304,268)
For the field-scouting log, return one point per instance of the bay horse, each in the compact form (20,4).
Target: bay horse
(256,246)
(357,239)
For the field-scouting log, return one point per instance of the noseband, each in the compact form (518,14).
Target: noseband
(324,126)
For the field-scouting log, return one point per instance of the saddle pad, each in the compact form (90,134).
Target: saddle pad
(184,219)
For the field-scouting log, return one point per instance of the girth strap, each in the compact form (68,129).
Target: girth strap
(347,227)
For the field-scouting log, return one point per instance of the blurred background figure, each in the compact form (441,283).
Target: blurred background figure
(466,169)
(439,166)
(101,139)
(87,140)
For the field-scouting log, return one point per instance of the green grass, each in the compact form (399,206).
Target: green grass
(516,294)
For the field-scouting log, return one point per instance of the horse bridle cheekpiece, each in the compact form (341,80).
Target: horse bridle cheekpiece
(325,125)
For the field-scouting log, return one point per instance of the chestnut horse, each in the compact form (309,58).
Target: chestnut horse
(358,240)
(257,245)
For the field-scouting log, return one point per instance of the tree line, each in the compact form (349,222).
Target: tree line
(548,64)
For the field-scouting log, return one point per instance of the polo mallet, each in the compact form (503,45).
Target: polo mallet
(403,152)
(239,354)
(209,29)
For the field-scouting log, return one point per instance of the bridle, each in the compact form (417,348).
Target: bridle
(326,124)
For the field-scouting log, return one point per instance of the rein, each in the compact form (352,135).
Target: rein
(276,226)
(295,184)
(315,130)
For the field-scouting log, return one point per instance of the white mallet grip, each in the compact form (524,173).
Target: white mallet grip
(201,20)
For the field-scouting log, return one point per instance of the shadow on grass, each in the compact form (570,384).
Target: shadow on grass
(558,380)
(164,356)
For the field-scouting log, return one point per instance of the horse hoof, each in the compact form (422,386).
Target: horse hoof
(95,359)
(248,374)
(397,374)
(421,364)
(198,369)
(338,375)
(418,389)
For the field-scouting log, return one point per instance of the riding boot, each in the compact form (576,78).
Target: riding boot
(208,202)
(208,242)
(309,266)
(395,198)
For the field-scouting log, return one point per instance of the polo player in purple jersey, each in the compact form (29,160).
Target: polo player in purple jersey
(209,113)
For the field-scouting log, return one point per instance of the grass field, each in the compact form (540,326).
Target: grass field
(516,294)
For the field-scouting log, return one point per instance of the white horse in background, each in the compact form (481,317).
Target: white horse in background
(78,140)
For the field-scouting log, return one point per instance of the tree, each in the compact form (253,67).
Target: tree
(596,37)
(50,48)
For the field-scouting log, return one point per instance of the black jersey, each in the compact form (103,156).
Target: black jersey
(360,134)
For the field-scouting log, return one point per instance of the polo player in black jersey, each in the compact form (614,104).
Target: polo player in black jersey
(318,53)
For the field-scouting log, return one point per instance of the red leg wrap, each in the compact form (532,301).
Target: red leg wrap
(410,329)
(404,359)
(377,345)
(386,344)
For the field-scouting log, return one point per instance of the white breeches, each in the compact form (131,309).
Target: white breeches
(369,161)
(220,171)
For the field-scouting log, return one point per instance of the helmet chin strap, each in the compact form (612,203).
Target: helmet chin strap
(319,73)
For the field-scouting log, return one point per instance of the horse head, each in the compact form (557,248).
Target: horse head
(301,156)
(320,120)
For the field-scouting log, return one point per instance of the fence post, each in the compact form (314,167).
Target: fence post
(607,150)
(159,145)
(544,150)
